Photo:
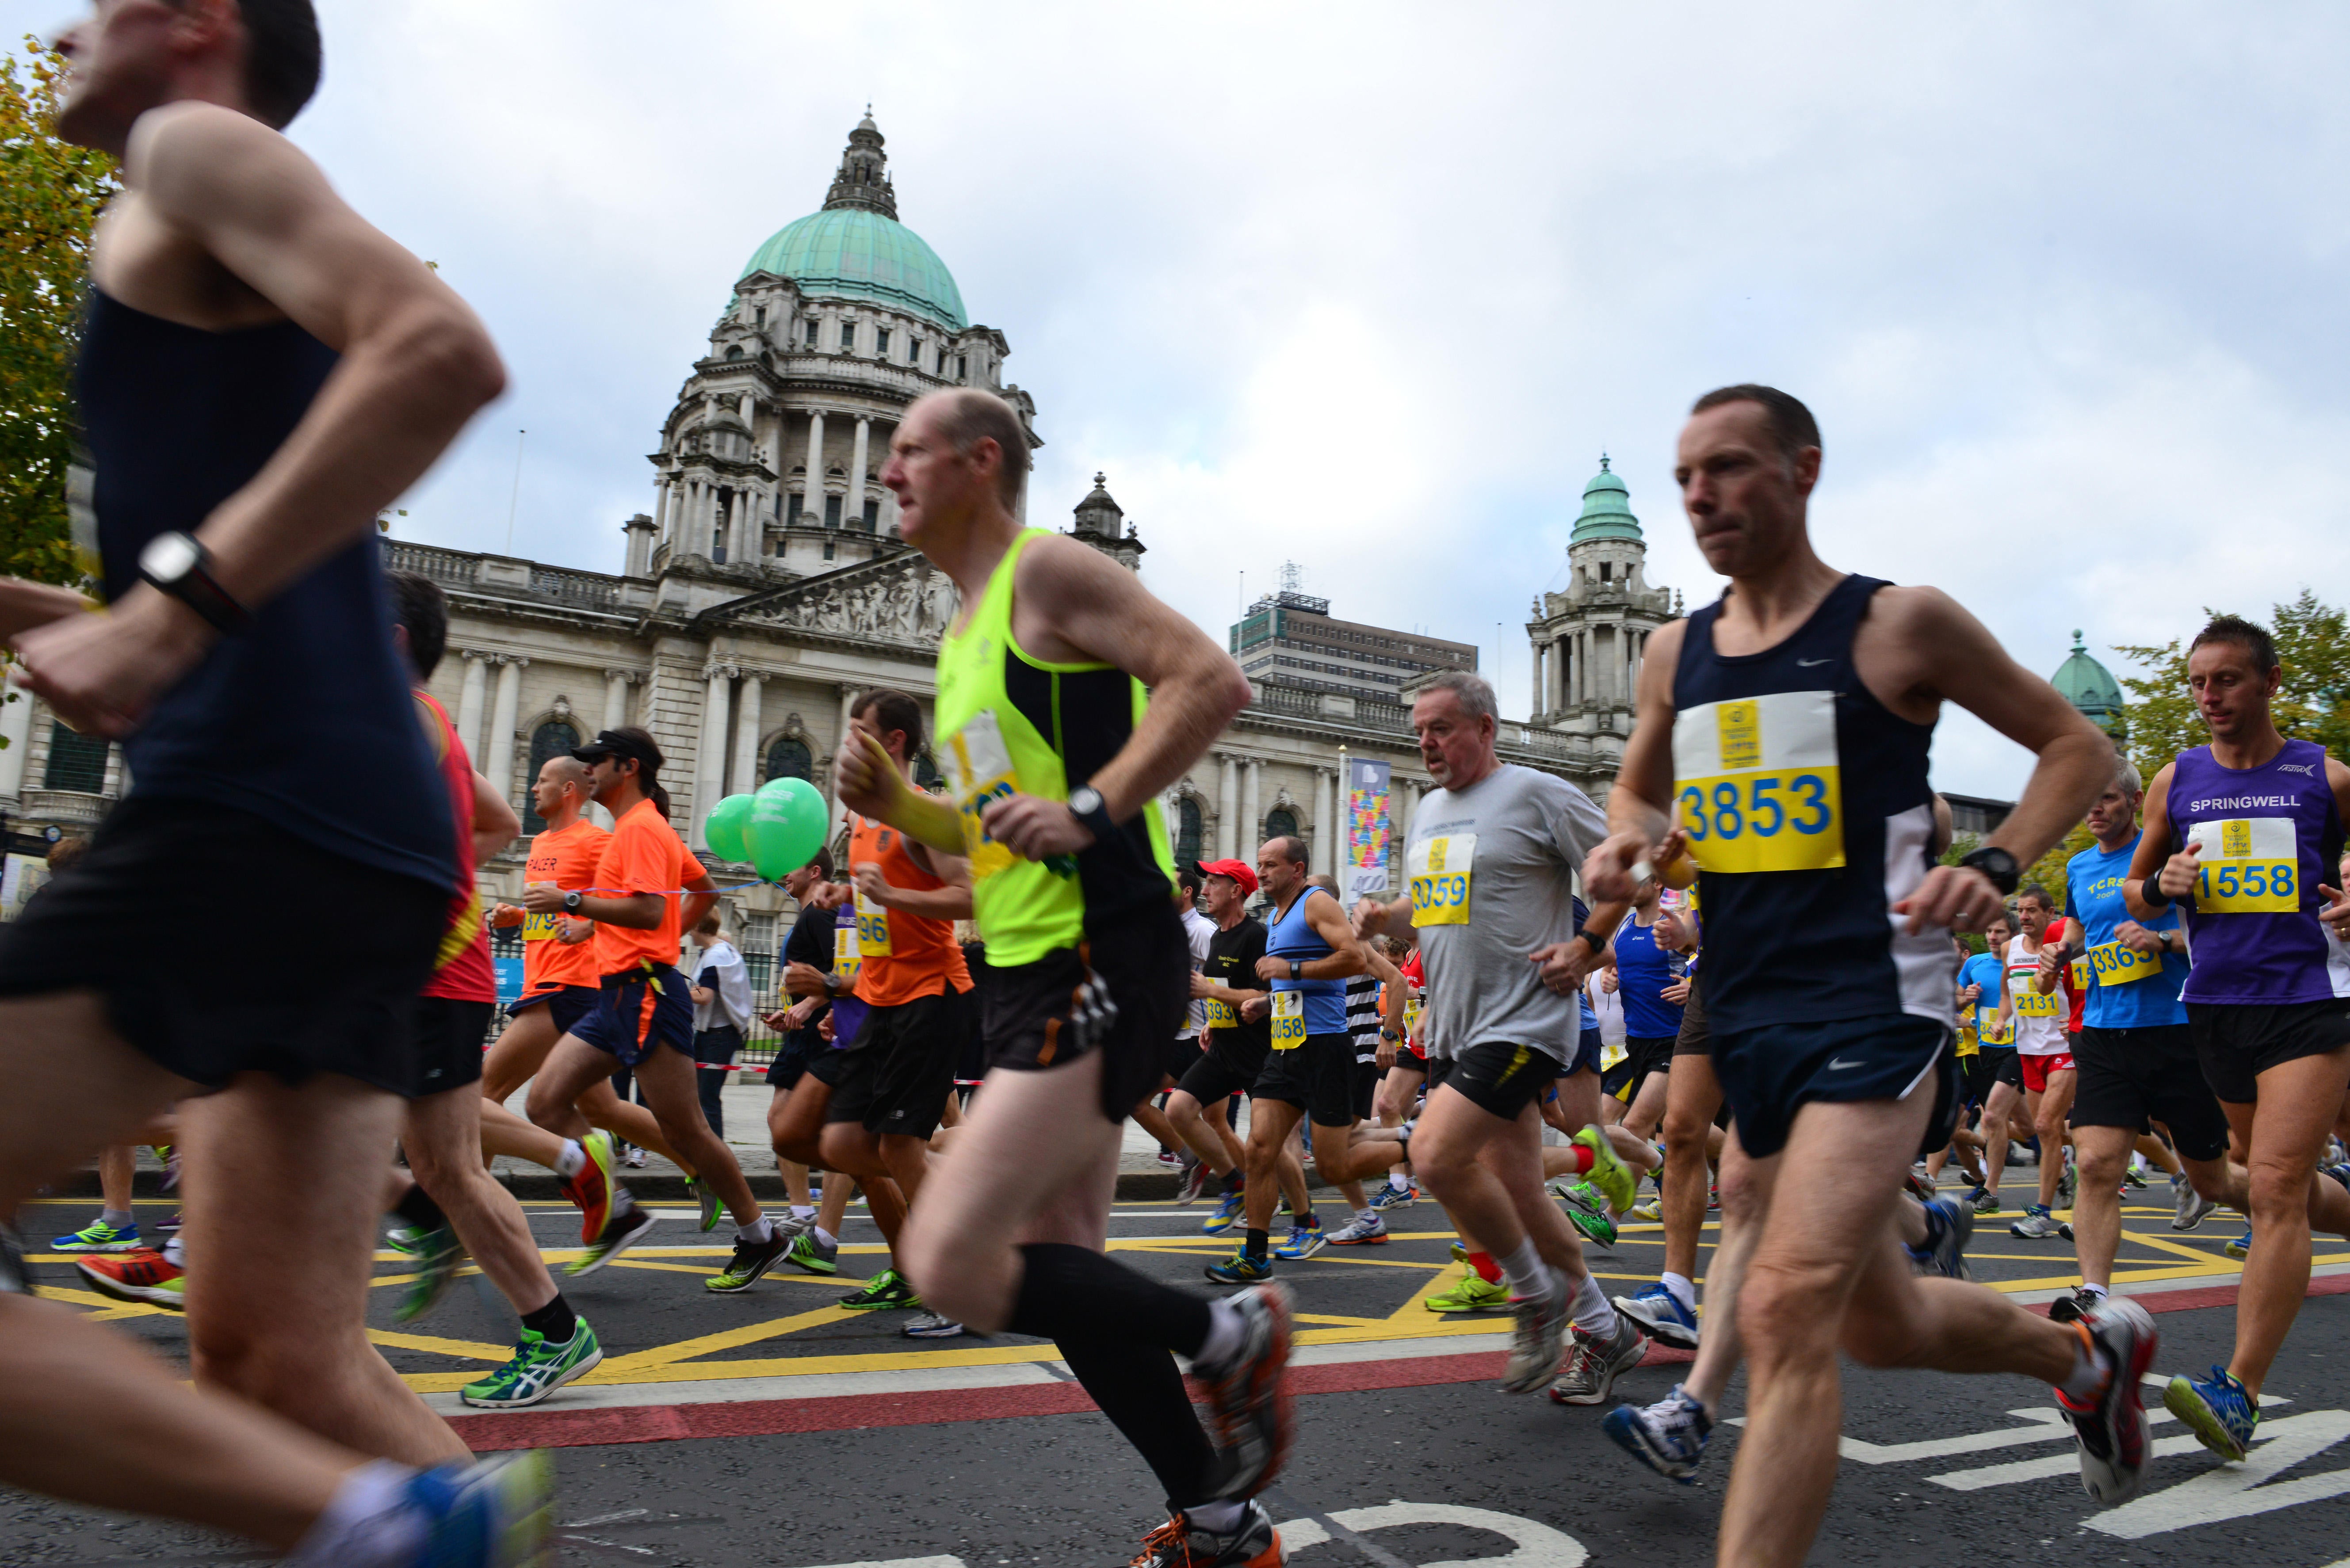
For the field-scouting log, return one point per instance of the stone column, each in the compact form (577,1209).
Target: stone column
(1251,808)
(888,512)
(495,761)
(710,749)
(812,492)
(1535,685)
(852,505)
(616,697)
(746,732)
(469,704)
(840,739)
(17,727)
(1228,806)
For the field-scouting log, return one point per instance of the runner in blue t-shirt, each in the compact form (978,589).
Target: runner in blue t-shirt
(1994,1084)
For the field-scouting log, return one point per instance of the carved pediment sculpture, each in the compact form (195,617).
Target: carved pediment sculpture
(901,599)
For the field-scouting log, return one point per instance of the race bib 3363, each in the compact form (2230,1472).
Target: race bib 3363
(1756,784)
(2118,963)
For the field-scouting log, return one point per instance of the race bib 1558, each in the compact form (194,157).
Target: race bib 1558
(2250,866)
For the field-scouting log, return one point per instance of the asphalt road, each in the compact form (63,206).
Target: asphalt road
(776,1428)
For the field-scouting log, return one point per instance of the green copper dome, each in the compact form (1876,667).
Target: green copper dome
(1607,510)
(2089,687)
(852,253)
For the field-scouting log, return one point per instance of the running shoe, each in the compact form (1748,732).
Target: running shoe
(1668,1436)
(2219,1412)
(1179,1543)
(1248,1397)
(1949,1226)
(438,1253)
(1227,1213)
(98,1236)
(1240,1268)
(623,1231)
(1305,1239)
(497,1513)
(635,1158)
(1988,1203)
(1587,1213)
(170,1224)
(1660,1317)
(1921,1188)
(536,1369)
(148,1278)
(1539,1338)
(1168,1157)
(1363,1231)
(884,1290)
(591,1191)
(1194,1182)
(2133,1176)
(1617,1181)
(931,1326)
(2240,1246)
(1459,1253)
(1470,1296)
(751,1259)
(2065,1229)
(2037,1224)
(1650,1211)
(813,1254)
(170,1154)
(1594,1361)
(1390,1196)
(401,1238)
(2110,1426)
(712,1209)
(2075,1307)
(2191,1205)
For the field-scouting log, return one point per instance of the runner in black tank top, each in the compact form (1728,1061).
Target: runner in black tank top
(1782,735)
(241,459)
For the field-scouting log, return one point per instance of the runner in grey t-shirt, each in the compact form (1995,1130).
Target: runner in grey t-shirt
(1491,867)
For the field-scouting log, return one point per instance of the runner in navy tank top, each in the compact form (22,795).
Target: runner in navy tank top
(2245,834)
(1786,729)
(262,372)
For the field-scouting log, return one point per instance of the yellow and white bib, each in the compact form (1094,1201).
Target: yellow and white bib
(1756,782)
(2250,866)
(1440,869)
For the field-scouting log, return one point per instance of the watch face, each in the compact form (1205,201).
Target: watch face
(168,557)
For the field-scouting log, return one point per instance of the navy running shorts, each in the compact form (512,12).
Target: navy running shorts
(638,1011)
(1770,1073)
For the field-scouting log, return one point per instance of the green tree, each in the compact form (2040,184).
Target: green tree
(2313,703)
(50,196)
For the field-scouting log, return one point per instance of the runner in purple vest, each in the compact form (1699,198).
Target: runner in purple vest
(2243,834)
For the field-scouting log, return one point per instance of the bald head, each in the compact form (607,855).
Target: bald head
(965,417)
(562,790)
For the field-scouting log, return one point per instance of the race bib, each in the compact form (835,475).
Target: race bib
(2081,972)
(1440,869)
(1288,1020)
(1222,1015)
(980,772)
(2031,1003)
(2251,865)
(1989,1031)
(1967,1045)
(2117,963)
(1756,782)
(1412,1008)
(872,929)
(537,928)
(846,960)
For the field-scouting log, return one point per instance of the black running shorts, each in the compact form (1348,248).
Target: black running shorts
(1317,1077)
(1768,1075)
(1123,993)
(2237,1044)
(1501,1079)
(334,994)
(1645,1055)
(1696,1038)
(2130,1076)
(1367,1089)
(449,1038)
(1229,1065)
(897,1076)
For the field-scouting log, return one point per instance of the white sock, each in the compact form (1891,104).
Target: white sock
(758,1232)
(572,1160)
(2100,1292)
(369,1522)
(825,1238)
(801,1210)
(2088,1371)
(173,1254)
(1594,1314)
(1365,1215)
(1226,1330)
(1527,1274)
(1401,1183)
(1684,1291)
(1219,1518)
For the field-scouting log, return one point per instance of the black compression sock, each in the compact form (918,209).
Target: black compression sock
(1256,1243)
(1234,1181)
(1139,1390)
(416,1207)
(556,1320)
(1070,1292)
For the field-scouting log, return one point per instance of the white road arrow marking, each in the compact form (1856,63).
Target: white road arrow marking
(1536,1546)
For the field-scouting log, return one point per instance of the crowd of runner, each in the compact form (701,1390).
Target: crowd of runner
(1758,979)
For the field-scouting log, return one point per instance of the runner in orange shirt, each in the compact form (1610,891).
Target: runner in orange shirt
(647,888)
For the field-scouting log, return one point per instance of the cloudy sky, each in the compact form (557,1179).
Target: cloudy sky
(1370,287)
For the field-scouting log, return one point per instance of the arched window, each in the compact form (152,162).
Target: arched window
(77,761)
(789,759)
(1187,833)
(553,739)
(926,772)
(1280,822)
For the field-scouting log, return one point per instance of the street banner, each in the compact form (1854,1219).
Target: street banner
(1368,828)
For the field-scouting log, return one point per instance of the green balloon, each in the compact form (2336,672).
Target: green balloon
(725,828)
(787,828)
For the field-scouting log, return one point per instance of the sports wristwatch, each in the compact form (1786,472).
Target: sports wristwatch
(176,564)
(1996,864)
(571,902)
(1296,969)
(1086,805)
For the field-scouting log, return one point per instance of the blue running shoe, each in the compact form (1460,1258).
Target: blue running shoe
(1660,1315)
(1390,1196)
(1668,1437)
(2240,1246)
(2220,1413)
(1240,1268)
(498,1513)
(1227,1214)
(98,1236)
(1306,1239)
(1949,1226)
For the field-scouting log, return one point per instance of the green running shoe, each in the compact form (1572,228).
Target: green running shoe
(751,1259)
(537,1370)
(2240,1246)
(1617,1181)
(885,1290)
(712,1210)
(807,1252)
(401,1237)
(1588,1215)
(1460,1254)
(624,1229)
(1472,1294)
(438,1253)
(98,1236)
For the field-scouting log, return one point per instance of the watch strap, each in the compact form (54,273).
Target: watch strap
(199,590)
(1096,820)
